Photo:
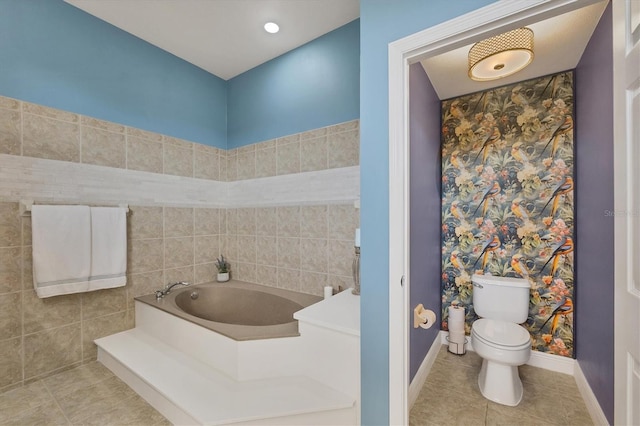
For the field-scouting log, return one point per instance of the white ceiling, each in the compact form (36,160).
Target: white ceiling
(558,45)
(224,37)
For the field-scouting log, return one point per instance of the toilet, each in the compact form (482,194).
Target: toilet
(502,304)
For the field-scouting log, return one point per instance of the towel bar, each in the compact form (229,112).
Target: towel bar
(25,207)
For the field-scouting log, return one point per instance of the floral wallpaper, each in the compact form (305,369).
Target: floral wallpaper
(507,200)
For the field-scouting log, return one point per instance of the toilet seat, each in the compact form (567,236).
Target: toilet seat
(501,334)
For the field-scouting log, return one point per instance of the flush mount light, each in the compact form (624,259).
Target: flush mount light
(502,55)
(271,27)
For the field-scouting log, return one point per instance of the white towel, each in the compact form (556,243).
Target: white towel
(61,249)
(108,247)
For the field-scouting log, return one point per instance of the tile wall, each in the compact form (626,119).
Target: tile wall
(299,247)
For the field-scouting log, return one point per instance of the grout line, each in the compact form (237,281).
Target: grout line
(55,400)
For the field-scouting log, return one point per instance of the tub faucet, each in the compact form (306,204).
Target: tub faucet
(167,289)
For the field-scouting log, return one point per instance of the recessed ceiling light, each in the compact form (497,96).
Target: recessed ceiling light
(271,27)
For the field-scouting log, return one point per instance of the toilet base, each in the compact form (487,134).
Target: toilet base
(500,383)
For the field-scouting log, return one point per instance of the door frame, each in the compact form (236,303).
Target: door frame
(485,22)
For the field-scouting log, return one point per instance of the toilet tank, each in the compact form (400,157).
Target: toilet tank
(501,298)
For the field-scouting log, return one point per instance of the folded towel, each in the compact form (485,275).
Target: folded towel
(108,247)
(61,249)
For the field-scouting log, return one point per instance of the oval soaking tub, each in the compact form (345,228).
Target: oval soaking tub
(238,310)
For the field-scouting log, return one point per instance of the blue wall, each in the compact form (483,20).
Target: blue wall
(425,242)
(315,85)
(57,55)
(381,22)
(594,231)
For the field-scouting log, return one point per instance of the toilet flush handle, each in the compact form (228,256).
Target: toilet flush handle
(478,285)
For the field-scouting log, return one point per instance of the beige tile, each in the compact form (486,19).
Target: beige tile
(178,222)
(185,274)
(10,103)
(10,368)
(344,127)
(181,143)
(103,148)
(145,283)
(27,268)
(133,411)
(75,379)
(145,255)
(266,162)
(144,155)
(144,134)
(205,272)
(48,112)
(51,350)
(10,225)
(313,134)
(207,164)
(343,149)
(101,124)
(313,255)
(246,164)
(288,158)
(94,401)
(232,167)
(267,221)
(245,272)
(51,312)
(26,231)
(271,143)
(289,221)
(247,248)
(22,399)
(289,253)
(246,220)
(95,328)
(103,302)
(178,161)
(313,155)
(51,139)
(285,140)
(207,248)
(313,221)
(224,176)
(266,251)
(10,132)
(10,315)
(313,283)
(178,252)
(267,275)
(339,257)
(207,221)
(289,279)
(342,221)
(145,222)
(45,415)
(231,220)
(229,248)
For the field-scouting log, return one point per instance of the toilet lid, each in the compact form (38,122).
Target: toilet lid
(501,332)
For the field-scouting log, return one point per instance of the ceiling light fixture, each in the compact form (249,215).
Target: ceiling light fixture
(271,27)
(502,55)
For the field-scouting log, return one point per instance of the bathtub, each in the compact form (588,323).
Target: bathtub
(238,310)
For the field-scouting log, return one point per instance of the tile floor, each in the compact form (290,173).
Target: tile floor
(86,395)
(450,396)
(92,395)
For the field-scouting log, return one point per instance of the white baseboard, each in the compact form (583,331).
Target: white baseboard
(556,363)
(590,400)
(423,371)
